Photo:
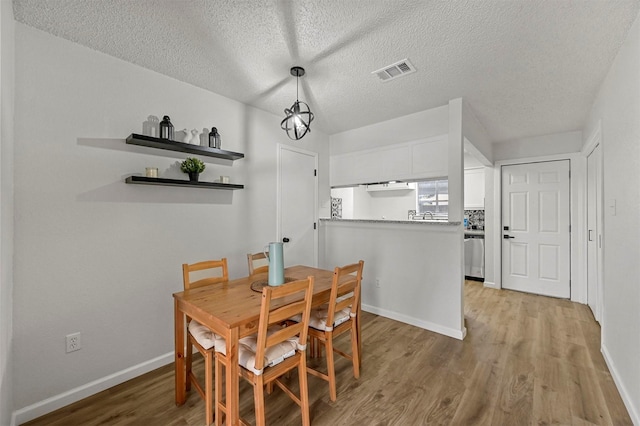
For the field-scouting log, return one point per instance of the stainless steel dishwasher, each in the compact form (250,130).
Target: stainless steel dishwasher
(474,256)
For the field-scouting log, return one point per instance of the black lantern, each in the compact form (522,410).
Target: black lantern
(299,116)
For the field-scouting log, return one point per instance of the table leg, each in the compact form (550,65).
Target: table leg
(232,378)
(180,373)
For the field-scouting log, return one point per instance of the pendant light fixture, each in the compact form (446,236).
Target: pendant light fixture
(299,116)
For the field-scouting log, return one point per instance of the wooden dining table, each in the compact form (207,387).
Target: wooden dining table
(232,310)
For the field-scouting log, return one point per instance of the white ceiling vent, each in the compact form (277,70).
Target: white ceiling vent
(399,69)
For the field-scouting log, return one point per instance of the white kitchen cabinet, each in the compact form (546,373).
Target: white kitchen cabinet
(474,189)
(430,159)
(422,159)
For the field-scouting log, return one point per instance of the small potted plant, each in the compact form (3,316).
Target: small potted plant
(193,167)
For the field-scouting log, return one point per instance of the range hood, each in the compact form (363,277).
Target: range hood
(391,186)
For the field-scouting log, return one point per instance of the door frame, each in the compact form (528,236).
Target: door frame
(577,214)
(313,154)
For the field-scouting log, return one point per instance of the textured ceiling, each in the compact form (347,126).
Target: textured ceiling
(526,68)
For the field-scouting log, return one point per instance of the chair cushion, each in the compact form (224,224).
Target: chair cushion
(318,318)
(247,351)
(205,337)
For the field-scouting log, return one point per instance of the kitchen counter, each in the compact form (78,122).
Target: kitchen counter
(384,221)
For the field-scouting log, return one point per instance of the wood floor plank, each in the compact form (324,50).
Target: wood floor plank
(526,359)
(478,401)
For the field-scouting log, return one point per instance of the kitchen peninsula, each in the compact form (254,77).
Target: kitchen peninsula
(413,269)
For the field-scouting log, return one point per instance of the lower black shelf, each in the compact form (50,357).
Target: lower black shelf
(143,180)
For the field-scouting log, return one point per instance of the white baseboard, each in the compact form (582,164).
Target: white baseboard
(628,402)
(490,284)
(427,325)
(55,402)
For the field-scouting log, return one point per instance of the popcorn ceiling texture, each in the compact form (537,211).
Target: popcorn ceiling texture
(525,68)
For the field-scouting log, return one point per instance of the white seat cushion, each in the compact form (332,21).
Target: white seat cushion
(273,355)
(318,318)
(205,337)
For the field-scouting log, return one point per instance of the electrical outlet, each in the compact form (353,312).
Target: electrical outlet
(73,342)
(377,282)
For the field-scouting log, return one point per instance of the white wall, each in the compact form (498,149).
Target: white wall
(391,205)
(420,125)
(358,203)
(346,194)
(98,256)
(491,221)
(617,105)
(7,41)
(537,146)
(413,262)
(476,134)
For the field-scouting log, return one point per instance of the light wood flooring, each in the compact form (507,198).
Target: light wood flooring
(526,360)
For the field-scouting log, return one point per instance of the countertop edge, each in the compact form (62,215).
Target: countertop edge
(403,222)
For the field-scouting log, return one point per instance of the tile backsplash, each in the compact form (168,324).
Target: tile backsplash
(476,218)
(336,208)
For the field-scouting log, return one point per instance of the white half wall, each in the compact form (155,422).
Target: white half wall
(414,263)
(97,256)
(617,106)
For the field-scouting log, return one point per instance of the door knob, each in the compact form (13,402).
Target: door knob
(506,237)
(285,240)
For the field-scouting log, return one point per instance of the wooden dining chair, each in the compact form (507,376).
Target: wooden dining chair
(337,317)
(274,350)
(193,276)
(257,263)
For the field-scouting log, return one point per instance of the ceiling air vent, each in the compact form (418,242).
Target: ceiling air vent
(396,70)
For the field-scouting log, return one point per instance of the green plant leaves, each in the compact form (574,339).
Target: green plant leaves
(192,165)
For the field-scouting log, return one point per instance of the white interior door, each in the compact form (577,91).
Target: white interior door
(297,206)
(535,221)
(594,232)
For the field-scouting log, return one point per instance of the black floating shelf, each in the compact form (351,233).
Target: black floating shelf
(143,180)
(152,142)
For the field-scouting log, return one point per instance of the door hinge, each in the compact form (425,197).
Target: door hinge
(314,225)
(315,172)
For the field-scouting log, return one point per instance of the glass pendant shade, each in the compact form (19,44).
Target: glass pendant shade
(299,116)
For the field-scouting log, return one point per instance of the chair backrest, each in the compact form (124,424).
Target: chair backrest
(345,290)
(257,263)
(214,271)
(279,304)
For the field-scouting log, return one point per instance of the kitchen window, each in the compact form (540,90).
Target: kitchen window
(433,197)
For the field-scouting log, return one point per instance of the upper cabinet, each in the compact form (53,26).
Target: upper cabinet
(152,142)
(421,159)
(474,189)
